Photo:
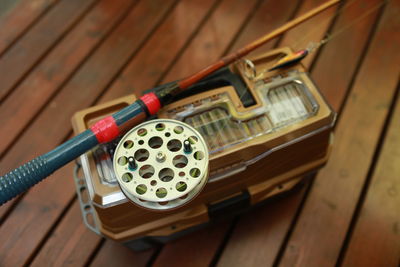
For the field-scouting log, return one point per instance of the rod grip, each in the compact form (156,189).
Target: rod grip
(19,180)
(31,173)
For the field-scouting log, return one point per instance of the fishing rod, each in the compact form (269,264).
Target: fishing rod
(299,55)
(21,179)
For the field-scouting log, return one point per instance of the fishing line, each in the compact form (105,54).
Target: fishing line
(344,28)
(248,67)
(281,61)
(314,46)
(324,21)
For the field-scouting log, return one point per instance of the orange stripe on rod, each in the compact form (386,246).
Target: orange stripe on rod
(185,83)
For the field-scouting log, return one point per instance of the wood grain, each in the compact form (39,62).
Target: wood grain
(375,240)
(244,51)
(23,55)
(87,82)
(317,242)
(19,17)
(158,48)
(226,7)
(70,244)
(212,40)
(335,81)
(65,61)
(274,223)
(32,218)
(346,60)
(259,234)
(312,30)
(48,199)
(146,68)
(267,16)
(4,209)
(350,216)
(57,67)
(120,256)
(187,251)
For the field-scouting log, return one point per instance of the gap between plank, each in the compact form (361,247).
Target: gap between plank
(35,252)
(231,229)
(74,198)
(370,174)
(68,77)
(48,50)
(188,42)
(346,96)
(135,52)
(371,35)
(95,251)
(329,30)
(292,226)
(242,27)
(27,28)
(224,242)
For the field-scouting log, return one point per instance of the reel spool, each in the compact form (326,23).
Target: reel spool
(161,164)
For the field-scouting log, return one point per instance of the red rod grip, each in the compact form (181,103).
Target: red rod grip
(105,130)
(152,103)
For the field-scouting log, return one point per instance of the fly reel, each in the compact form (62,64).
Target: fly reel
(161,164)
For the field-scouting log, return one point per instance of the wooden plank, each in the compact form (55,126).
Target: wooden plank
(50,187)
(57,67)
(332,60)
(186,251)
(113,92)
(211,238)
(85,85)
(317,242)
(111,44)
(158,48)
(69,244)
(161,50)
(25,53)
(32,218)
(260,23)
(227,18)
(18,17)
(64,60)
(122,87)
(375,239)
(259,234)
(4,209)
(257,26)
(299,37)
(7,5)
(40,208)
(269,229)
(345,50)
(157,54)
(212,40)
(120,256)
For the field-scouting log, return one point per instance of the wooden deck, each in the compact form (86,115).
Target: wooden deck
(59,56)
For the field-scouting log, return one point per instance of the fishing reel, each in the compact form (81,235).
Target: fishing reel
(161,164)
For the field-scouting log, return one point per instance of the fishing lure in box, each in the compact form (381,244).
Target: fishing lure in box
(264,131)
